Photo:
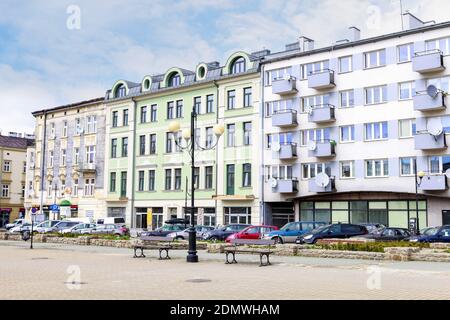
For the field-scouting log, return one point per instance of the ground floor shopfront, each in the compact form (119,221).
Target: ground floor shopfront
(390,209)
(10,213)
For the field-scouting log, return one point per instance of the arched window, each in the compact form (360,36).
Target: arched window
(121,91)
(174,80)
(238,66)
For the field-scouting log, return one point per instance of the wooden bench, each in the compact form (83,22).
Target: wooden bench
(262,247)
(163,244)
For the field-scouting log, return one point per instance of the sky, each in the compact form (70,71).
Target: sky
(56,52)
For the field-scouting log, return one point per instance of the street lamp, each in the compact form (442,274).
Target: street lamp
(191,143)
(417,181)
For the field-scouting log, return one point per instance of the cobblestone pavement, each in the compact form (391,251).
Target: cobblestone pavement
(48,272)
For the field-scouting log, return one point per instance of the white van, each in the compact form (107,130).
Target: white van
(80,220)
(111,220)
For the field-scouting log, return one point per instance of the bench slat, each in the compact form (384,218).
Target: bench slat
(159,239)
(253,242)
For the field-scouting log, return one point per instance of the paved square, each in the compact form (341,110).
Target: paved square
(47,272)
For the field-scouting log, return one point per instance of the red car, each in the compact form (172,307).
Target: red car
(251,233)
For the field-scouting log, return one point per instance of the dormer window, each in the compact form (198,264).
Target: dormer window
(238,66)
(121,91)
(174,80)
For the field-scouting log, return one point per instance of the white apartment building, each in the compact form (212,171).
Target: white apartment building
(344,126)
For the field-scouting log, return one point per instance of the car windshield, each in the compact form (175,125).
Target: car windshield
(320,229)
(431,232)
(170,227)
(288,226)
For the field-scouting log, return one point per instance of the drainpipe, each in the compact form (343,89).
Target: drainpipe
(133,166)
(217,148)
(262,167)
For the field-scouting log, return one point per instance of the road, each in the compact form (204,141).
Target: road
(52,271)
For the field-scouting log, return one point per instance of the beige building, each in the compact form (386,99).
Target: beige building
(66,166)
(13,153)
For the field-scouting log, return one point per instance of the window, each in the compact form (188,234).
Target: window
(347,169)
(209,103)
(153,144)
(438,165)
(246,175)
(142,145)
(6,166)
(174,80)
(112,182)
(277,75)
(141,181)
(168,181)
(177,179)
(115,119)
(91,124)
(208,177)
(169,142)
(442,44)
(345,64)
(247,133)
(237,215)
(76,155)
(64,130)
(89,187)
(113,148)
(50,158)
(377,168)
(121,91)
(179,110)
(311,170)
(5,191)
(317,135)
(309,102)
(407,128)
(248,97)
(406,90)
(125,118)
(209,137)
(407,166)
(78,126)
(63,157)
(310,68)
(197,138)
(24,168)
(231,128)
(197,178)
(347,98)
(230,179)
(170,107)
(376,131)
(198,104)
(151,180)
(153,113)
(125,147)
(90,154)
(49,188)
(347,134)
(440,83)
(238,66)
(376,95)
(405,52)
(278,106)
(282,172)
(123,184)
(143,114)
(375,59)
(231,99)
(52,131)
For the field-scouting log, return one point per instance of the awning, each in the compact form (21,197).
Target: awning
(6,210)
(65,203)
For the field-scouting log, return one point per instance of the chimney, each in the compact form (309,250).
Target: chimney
(355,34)
(305,44)
(411,21)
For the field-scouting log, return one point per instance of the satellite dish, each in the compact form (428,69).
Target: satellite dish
(276,147)
(312,146)
(322,180)
(274,182)
(434,127)
(432,91)
(447,173)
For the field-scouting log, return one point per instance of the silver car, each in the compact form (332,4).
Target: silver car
(114,229)
(46,226)
(184,235)
(81,228)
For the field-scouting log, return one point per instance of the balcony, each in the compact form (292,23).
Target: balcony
(321,114)
(425,141)
(284,86)
(323,79)
(86,167)
(428,61)
(288,151)
(434,183)
(284,185)
(316,188)
(284,118)
(322,149)
(423,102)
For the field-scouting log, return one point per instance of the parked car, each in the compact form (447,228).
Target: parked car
(46,226)
(164,230)
(80,228)
(290,231)
(15,223)
(20,227)
(110,220)
(63,225)
(114,229)
(389,234)
(220,234)
(251,233)
(373,227)
(184,235)
(338,231)
(438,234)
